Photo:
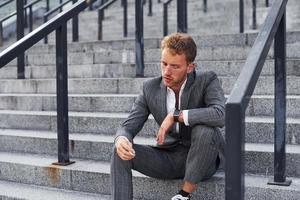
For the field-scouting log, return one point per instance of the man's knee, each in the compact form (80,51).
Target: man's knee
(204,135)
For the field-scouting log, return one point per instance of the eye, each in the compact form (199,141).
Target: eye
(163,64)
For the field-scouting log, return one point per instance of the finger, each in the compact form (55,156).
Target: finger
(127,150)
(124,154)
(128,147)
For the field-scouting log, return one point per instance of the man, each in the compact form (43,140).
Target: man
(189,107)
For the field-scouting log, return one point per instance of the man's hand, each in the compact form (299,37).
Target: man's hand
(164,128)
(124,148)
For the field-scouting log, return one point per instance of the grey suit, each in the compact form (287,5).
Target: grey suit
(194,153)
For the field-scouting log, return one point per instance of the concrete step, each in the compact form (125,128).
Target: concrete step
(246,39)
(153,55)
(260,105)
(222,68)
(259,129)
(93,176)
(16,191)
(265,85)
(99,147)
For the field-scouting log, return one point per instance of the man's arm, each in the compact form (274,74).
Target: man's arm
(214,112)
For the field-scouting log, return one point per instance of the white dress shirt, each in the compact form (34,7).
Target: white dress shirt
(171,101)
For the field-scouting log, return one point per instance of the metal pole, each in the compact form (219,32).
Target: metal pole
(267,3)
(181,16)
(60,2)
(46,37)
(125,30)
(165,19)
(25,15)
(1,34)
(75,26)
(139,38)
(47,6)
(280,106)
(100,16)
(20,34)
(30,19)
(205,6)
(253,14)
(150,8)
(62,95)
(235,145)
(241,16)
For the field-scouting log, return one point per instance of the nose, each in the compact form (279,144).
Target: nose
(167,70)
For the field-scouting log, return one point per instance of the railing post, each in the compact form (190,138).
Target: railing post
(60,2)
(75,26)
(241,16)
(165,18)
(150,8)
(46,37)
(20,34)
(205,6)
(100,16)
(30,19)
(253,14)
(235,145)
(139,38)
(280,106)
(62,96)
(181,16)
(1,34)
(47,5)
(125,30)
(25,15)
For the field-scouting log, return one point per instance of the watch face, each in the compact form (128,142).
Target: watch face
(176,115)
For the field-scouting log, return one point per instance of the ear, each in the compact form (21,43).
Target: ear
(191,67)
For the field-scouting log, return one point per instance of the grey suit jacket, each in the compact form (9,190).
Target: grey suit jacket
(203,96)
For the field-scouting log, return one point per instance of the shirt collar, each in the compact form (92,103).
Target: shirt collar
(181,89)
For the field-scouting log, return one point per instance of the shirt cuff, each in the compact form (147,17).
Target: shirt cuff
(185,114)
(121,136)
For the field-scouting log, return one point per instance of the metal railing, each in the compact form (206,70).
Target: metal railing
(27,6)
(139,38)
(241,14)
(74,22)
(274,27)
(101,17)
(182,22)
(59,24)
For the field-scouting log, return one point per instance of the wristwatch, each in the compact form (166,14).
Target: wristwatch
(176,114)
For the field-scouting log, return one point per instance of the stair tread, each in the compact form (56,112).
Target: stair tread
(33,192)
(254,147)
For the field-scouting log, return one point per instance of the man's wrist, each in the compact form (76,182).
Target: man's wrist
(176,115)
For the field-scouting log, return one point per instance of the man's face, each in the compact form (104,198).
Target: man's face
(174,69)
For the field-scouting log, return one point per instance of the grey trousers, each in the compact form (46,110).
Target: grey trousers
(193,164)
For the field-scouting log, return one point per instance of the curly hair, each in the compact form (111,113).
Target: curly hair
(179,43)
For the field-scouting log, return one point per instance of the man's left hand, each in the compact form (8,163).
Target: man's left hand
(164,128)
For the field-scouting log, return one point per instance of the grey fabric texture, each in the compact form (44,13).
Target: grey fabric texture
(191,154)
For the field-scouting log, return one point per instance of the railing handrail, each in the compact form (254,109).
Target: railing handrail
(39,33)
(50,12)
(274,27)
(253,65)
(15,12)
(5,3)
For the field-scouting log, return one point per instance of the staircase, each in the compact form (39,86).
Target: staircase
(102,88)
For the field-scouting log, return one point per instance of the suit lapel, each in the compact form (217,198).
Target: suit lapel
(187,91)
(162,100)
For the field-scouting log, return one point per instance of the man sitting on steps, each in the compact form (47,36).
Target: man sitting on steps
(189,107)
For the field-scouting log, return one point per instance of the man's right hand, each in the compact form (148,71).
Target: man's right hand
(124,148)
